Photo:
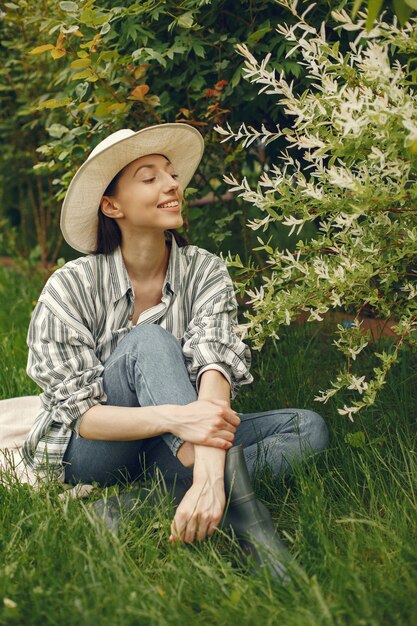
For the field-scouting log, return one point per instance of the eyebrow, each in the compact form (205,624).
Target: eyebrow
(168,162)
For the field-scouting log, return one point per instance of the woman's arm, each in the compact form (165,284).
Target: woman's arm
(215,387)
(203,505)
(125,423)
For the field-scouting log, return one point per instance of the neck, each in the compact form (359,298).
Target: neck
(146,257)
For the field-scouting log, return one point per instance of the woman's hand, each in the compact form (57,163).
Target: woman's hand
(206,423)
(199,512)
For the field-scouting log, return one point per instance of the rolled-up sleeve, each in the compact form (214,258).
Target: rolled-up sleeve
(62,361)
(209,341)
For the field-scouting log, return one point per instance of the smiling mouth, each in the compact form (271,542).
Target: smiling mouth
(170,206)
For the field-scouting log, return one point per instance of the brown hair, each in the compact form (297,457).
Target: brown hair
(109,235)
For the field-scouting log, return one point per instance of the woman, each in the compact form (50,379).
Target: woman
(134,344)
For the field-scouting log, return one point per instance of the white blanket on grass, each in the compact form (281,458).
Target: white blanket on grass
(16,418)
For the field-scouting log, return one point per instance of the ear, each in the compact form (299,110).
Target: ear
(109,207)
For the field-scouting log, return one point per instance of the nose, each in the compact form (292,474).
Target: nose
(172,182)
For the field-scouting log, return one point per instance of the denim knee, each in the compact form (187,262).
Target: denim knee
(152,338)
(317,431)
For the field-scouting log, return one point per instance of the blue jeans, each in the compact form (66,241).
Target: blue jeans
(147,368)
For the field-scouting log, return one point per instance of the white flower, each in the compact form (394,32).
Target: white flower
(355,351)
(341,177)
(348,410)
(412,127)
(335,299)
(358,383)
(292,221)
(242,330)
(412,289)
(321,268)
(312,191)
(314,315)
(256,223)
(325,395)
(375,63)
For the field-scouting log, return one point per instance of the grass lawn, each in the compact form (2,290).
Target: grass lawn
(348,515)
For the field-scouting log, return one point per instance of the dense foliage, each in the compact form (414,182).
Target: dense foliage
(71,73)
(356,125)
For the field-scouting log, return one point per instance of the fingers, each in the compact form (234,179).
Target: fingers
(177,531)
(216,442)
(212,527)
(186,531)
(227,435)
(228,413)
(196,529)
(201,531)
(231,416)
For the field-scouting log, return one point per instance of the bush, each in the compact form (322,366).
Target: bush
(356,126)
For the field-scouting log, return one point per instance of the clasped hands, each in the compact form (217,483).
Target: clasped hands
(209,423)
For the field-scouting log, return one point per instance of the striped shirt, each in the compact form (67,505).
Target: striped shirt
(86,308)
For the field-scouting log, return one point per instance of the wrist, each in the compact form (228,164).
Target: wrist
(209,479)
(208,462)
(168,418)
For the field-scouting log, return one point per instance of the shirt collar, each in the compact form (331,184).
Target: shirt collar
(120,278)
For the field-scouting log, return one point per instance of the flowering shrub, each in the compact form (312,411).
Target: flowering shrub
(356,126)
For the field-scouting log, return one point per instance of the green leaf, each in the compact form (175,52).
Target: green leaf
(153,101)
(356,8)
(197,83)
(195,212)
(100,19)
(258,34)
(235,80)
(186,20)
(62,155)
(71,29)
(40,49)
(102,108)
(190,191)
(81,90)
(374,8)
(411,3)
(68,6)
(87,17)
(79,64)
(199,49)
(105,28)
(53,103)
(402,11)
(57,130)
(84,74)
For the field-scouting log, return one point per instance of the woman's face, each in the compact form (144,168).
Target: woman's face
(143,190)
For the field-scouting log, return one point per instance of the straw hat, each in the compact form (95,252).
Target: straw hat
(181,143)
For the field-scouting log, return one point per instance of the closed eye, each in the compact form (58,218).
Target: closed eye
(149,180)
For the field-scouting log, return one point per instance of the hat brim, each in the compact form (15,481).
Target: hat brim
(181,143)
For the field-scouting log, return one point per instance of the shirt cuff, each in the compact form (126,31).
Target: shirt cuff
(76,427)
(220,367)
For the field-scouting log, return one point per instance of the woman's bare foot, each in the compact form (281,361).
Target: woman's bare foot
(185,454)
